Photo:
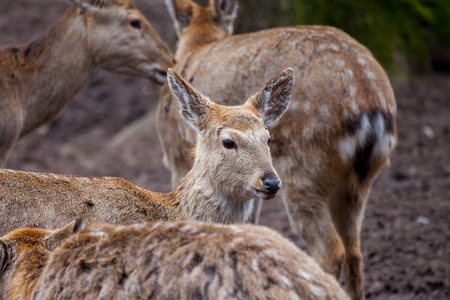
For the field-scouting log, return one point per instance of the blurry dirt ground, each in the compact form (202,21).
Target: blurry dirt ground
(406,234)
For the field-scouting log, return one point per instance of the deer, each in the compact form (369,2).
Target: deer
(334,139)
(159,260)
(232,169)
(39,78)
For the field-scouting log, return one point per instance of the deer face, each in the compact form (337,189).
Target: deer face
(123,41)
(233,142)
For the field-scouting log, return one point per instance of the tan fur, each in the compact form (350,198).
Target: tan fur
(172,260)
(39,78)
(335,137)
(221,187)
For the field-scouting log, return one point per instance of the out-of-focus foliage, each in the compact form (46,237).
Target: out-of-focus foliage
(400,33)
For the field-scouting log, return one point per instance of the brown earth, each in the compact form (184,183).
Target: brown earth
(406,234)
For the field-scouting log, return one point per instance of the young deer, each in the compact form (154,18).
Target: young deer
(332,142)
(39,78)
(232,167)
(159,260)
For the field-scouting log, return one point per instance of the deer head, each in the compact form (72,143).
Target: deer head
(122,40)
(232,148)
(23,254)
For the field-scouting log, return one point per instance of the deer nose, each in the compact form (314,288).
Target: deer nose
(271,185)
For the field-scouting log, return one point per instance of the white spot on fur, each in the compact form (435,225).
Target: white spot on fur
(352,89)
(294,106)
(326,57)
(235,228)
(355,108)
(293,296)
(344,45)
(334,47)
(379,94)
(286,282)
(155,225)
(255,265)
(25,215)
(307,276)
(339,62)
(348,73)
(83,179)
(361,61)
(317,290)
(322,47)
(324,111)
(139,226)
(370,74)
(306,106)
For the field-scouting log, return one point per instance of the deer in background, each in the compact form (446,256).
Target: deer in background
(39,78)
(332,142)
(232,167)
(159,260)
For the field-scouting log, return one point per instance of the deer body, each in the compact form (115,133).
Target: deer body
(333,140)
(221,187)
(39,78)
(161,260)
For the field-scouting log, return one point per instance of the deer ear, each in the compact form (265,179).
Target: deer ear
(181,13)
(225,12)
(194,105)
(57,237)
(5,256)
(273,100)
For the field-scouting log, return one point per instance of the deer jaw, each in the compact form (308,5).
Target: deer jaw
(122,41)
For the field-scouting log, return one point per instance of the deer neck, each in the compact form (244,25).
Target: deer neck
(201,200)
(198,36)
(48,72)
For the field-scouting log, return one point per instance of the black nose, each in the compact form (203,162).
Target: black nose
(271,185)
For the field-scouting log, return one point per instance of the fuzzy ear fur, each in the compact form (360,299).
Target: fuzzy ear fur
(181,13)
(225,12)
(273,100)
(57,237)
(5,258)
(193,105)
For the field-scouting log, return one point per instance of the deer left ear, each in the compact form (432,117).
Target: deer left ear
(225,12)
(273,100)
(194,106)
(57,237)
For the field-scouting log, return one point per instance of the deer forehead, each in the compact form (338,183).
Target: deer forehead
(238,118)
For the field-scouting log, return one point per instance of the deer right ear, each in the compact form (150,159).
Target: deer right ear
(181,13)
(194,105)
(273,100)
(57,237)
(5,258)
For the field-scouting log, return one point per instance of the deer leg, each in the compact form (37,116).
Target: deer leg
(310,218)
(347,208)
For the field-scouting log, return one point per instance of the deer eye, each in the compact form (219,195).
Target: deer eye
(269,140)
(228,143)
(136,23)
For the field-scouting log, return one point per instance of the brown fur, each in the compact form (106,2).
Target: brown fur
(172,260)
(221,187)
(335,137)
(39,78)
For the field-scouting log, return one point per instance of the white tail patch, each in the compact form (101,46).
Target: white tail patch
(370,128)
